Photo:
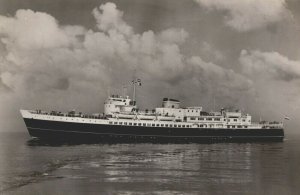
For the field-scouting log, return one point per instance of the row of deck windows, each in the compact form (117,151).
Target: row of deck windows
(235,120)
(192,110)
(237,126)
(148,124)
(169,125)
(208,119)
(214,119)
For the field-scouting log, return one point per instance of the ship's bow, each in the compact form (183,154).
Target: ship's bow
(27,115)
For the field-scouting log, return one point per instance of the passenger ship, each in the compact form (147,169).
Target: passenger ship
(122,121)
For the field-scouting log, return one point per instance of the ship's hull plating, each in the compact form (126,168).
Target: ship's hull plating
(83,132)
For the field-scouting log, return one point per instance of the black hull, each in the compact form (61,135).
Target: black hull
(91,133)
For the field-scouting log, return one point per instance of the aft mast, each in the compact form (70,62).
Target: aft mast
(134,82)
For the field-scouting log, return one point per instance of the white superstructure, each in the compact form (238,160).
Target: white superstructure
(123,108)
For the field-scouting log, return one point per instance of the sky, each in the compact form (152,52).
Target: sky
(70,54)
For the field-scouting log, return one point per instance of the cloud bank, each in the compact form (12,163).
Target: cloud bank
(245,15)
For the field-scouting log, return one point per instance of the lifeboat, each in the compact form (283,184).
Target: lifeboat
(125,116)
(165,118)
(146,117)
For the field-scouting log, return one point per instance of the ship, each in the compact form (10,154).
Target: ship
(123,121)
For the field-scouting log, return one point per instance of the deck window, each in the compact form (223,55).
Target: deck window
(179,125)
(134,124)
(110,123)
(140,124)
(115,123)
(153,125)
(120,123)
(166,125)
(125,123)
(183,125)
(130,123)
(157,125)
(144,124)
(175,125)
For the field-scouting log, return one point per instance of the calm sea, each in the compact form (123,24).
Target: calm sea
(221,168)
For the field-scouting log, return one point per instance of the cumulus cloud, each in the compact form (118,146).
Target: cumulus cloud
(52,66)
(35,28)
(270,64)
(221,82)
(174,35)
(276,79)
(245,15)
(210,52)
(109,18)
